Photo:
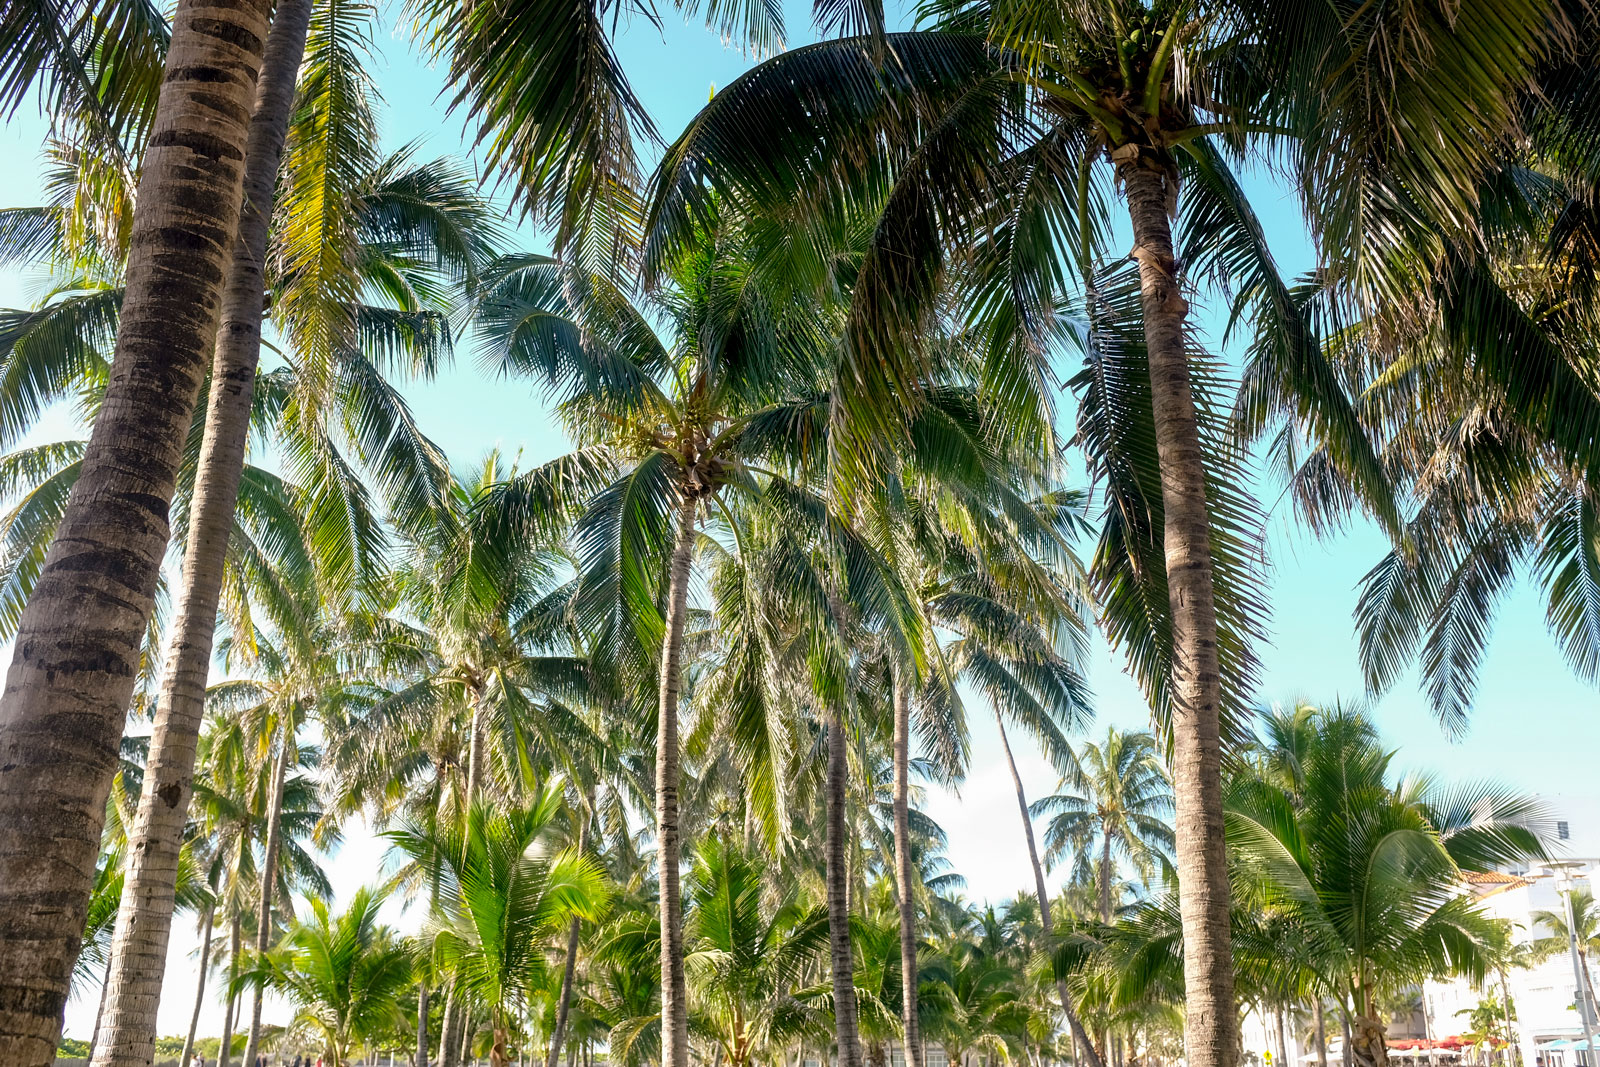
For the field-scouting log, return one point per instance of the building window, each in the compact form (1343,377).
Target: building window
(1562,832)
(936,1057)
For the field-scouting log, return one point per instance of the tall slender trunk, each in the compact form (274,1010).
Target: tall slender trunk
(1348,1053)
(569,966)
(1321,1025)
(269,876)
(1505,1003)
(1210,1016)
(200,986)
(76,653)
(474,752)
(905,871)
(99,1013)
(144,920)
(674,990)
(421,1058)
(450,1029)
(1091,1054)
(841,957)
(1105,879)
(224,1053)
(1282,1029)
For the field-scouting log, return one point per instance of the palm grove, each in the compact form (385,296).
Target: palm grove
(647,724)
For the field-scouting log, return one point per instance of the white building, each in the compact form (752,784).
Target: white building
(1544,994)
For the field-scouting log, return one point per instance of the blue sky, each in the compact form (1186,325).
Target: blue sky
(1534,725)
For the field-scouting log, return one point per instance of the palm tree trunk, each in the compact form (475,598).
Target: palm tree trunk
(674,989)
(1513,1046)
(1210,1016)
(1105,877)
(1282,1036)
(1348,1056)
(450,1030)
(144,919)
(99,1014)
(1322,1032)
(1091,1054)
(905,887)
(1588,985)
(421,1058)
(269,875)
(200,986)
(78,641)
(234,939)
(569,967)
(838,877)
(474,752)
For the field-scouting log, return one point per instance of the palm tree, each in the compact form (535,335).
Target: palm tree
(344,974)
(69,688)
(1015,611)
(412,225)
(662,431)
(238,798)
(983,142)
(1118,810)
(1585,924)
(1359,870)
(165,806)
(503,898)
(974,1005)
(747,956)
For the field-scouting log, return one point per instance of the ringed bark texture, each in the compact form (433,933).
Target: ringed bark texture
(144,919)
(1210,1018)
(77,648)
(669,849)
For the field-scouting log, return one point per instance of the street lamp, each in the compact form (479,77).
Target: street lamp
(1564,871)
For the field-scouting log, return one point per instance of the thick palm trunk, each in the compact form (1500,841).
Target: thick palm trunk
(1080,1036)
(1321,1025)
(269,877)
(224,1053)
(144,920)
(841,957)
(1210,1017)
(77,647)
(905,873)
(200,986)
(1368,1043)
(674,989)
(421,1058)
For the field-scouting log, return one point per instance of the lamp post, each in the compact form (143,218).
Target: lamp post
(1585,1008)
